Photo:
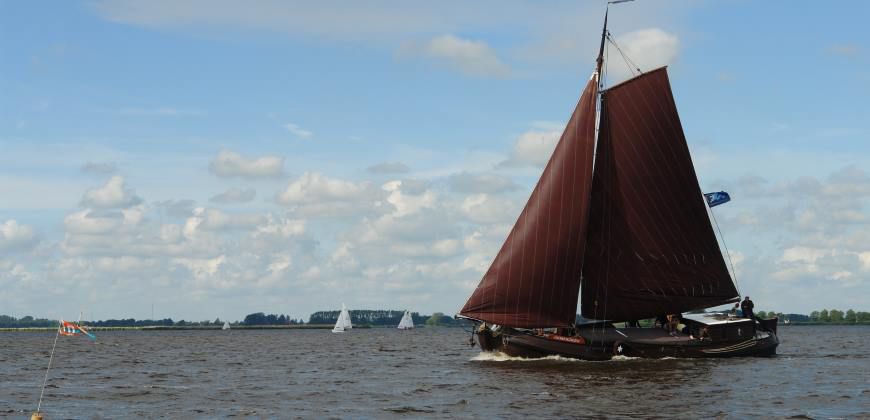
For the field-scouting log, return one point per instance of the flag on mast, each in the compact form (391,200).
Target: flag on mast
(70,329)
(716,198)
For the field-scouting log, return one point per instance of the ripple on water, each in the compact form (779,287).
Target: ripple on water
(430,373)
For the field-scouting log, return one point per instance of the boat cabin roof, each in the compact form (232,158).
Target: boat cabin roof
(715,318)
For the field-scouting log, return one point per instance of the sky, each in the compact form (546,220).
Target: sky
(215,158)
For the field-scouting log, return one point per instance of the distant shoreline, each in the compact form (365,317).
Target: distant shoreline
(186,328)
(314,327)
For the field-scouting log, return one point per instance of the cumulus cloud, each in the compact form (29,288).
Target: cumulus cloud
(466,182)
(177,208)
(99,168)
(235,195)
(298,131)
(114,194)
(90,222)
(231,164)
(217,220)
(316,195)
(647,48)
(488,209)
(17,237)
(385,168)
(817,232)
(533,148)
(473,58)
(408,196)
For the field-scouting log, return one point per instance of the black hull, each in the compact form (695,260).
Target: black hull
(604,344)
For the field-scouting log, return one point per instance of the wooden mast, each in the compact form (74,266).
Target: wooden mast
(600,60)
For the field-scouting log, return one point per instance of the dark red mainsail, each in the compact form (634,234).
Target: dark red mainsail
(651,249)
(534,279)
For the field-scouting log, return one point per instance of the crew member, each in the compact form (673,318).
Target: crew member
(735,311)
(747,306)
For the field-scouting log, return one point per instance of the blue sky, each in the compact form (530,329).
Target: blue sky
(219,158)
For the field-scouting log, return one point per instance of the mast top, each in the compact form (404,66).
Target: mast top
(600,60)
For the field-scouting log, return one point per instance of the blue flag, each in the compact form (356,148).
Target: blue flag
(716,198)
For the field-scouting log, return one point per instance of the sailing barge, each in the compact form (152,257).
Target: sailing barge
(619,219)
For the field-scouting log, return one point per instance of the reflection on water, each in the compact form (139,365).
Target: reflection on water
(821,372)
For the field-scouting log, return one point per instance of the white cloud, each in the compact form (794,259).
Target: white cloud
(489,183)
(407,198)
(806,233)
(176,208)
(231,164)
(315,195)
(85,222)
(298,131)
(647,48)
(114,194)
(487,209)
(533,148)
(17,237)
(235,195)
(217,220)
(556,34)
(473,58)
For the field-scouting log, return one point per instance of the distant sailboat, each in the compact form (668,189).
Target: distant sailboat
(343,323)
(407,323)
(226,326)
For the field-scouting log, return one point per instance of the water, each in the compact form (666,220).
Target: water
(821,372)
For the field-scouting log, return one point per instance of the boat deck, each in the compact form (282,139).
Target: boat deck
(640,335)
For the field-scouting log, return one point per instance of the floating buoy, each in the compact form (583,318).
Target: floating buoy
(36,416)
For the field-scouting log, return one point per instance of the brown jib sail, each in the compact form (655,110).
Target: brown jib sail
(651,249)
(534,279)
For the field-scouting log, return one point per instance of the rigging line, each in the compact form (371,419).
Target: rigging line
(727,252)
(632,66)
(45,380)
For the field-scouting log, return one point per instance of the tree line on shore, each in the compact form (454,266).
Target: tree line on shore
(358,317)
(825,316)
(385,318)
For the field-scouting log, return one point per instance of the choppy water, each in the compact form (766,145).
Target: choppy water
(821,372)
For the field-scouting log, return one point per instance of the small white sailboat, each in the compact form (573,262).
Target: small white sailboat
(343,323)
(407,322)
(226,326)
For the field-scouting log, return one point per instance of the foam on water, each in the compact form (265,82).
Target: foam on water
(620,358)
(490,356)
(487,356)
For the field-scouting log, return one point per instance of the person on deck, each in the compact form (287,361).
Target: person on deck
(704,334)
(735,311)
(662,321)
(673,321)
(747,306)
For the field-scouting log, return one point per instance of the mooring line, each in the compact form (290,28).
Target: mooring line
(45,380)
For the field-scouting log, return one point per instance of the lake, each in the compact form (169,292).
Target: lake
(820,372)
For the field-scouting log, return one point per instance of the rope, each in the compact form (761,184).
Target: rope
(727,252)
(45,380)
(632,66)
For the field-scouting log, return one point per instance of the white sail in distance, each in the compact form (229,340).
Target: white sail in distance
(343,323)
(407,322)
